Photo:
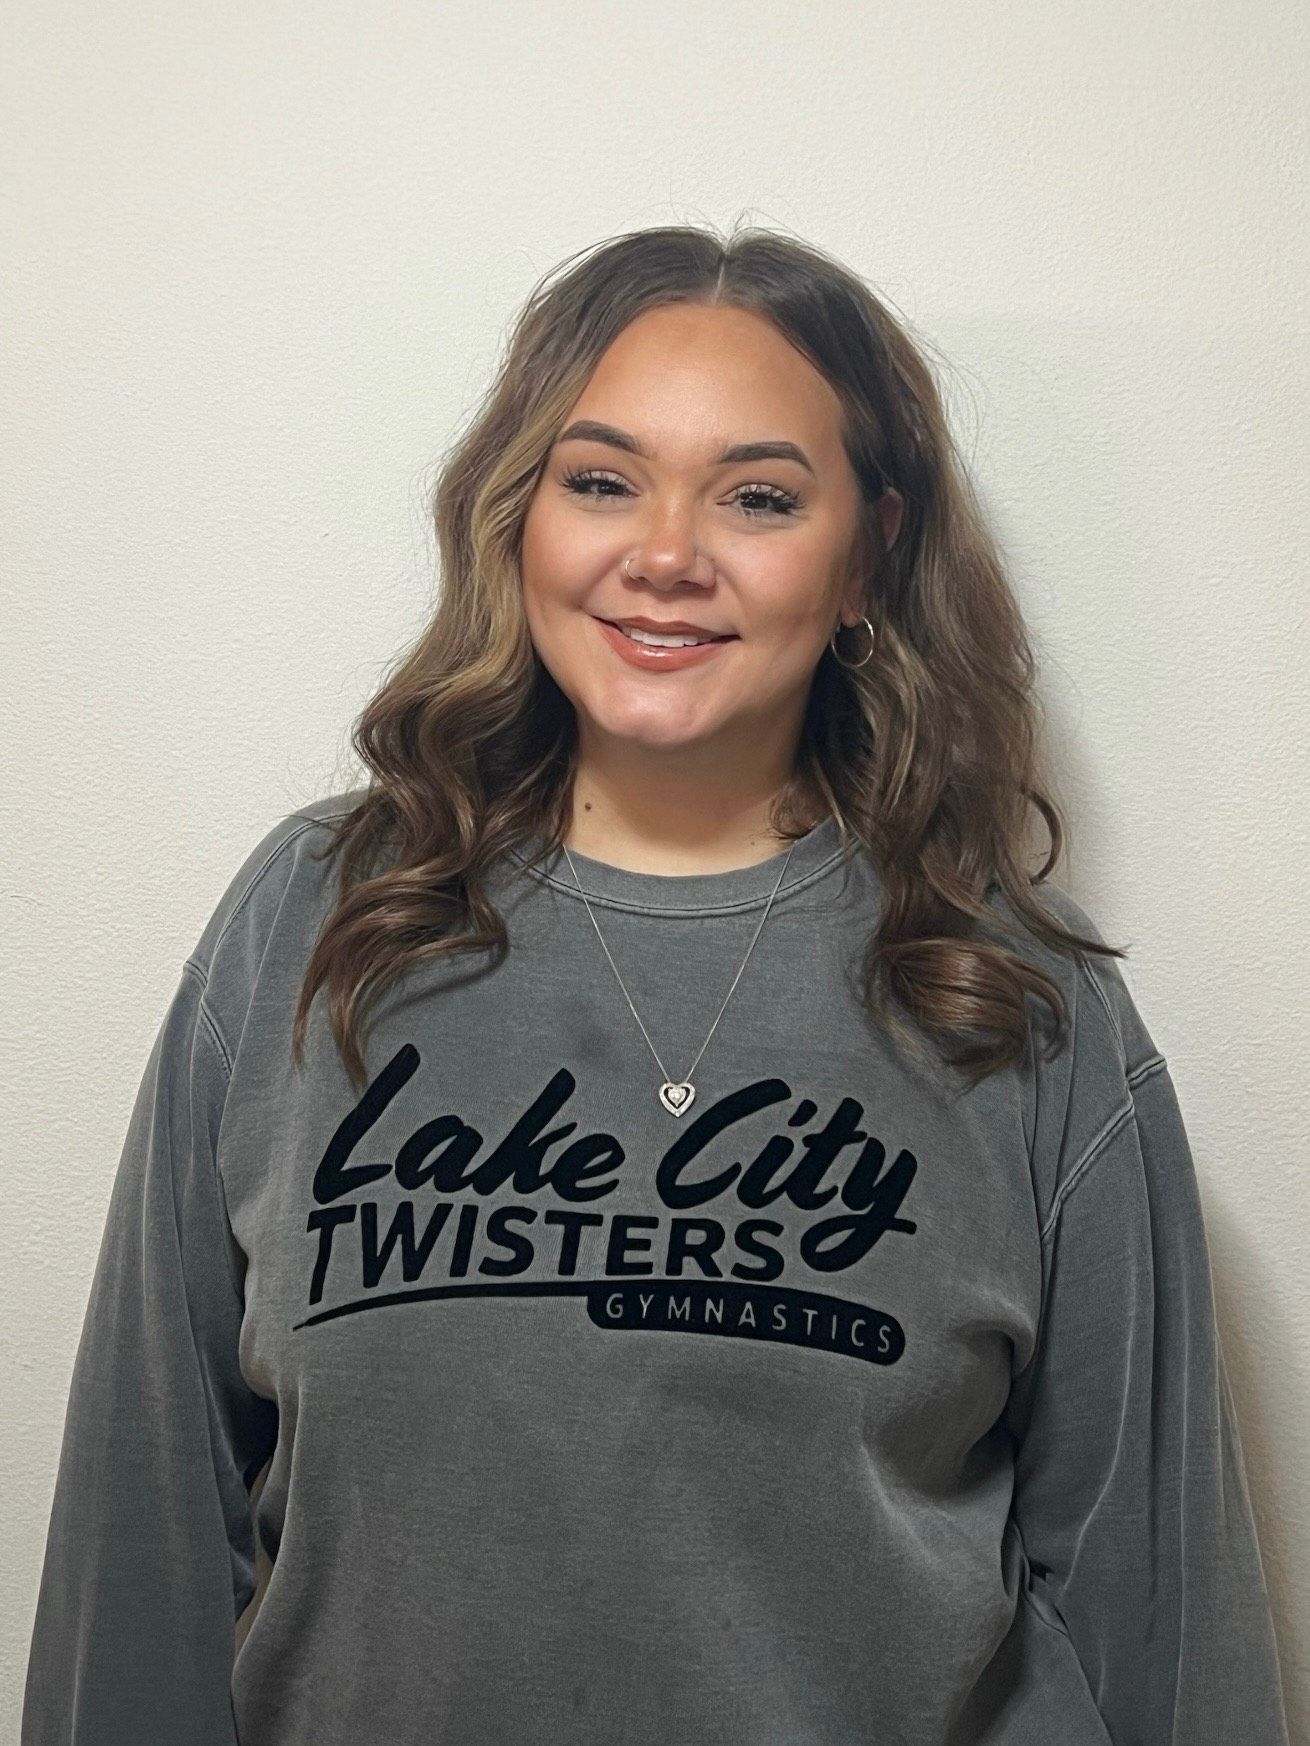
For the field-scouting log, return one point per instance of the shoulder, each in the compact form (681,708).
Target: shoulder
(280,891)
(1103,1010)
(1078,1093)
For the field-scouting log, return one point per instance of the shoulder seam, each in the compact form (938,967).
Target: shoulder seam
(1122,1114)
(1084,964)
(210,1029)
(261,872)
(208,1021)
(201,972)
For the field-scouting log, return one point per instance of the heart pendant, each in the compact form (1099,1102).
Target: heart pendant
(677,1098)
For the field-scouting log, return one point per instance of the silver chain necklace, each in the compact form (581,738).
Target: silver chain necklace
(677,1095)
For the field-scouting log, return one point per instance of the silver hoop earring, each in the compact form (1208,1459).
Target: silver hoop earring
(873,644)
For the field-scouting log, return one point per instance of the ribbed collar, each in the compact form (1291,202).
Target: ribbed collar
(740,888)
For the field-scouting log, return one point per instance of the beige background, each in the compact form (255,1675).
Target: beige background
(258,260)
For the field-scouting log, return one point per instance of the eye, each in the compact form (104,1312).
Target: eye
(579,483)
(775,500)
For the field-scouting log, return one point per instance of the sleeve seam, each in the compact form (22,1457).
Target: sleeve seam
(210,1029)
(202,971)
(209,1022)
(260,873)
(1097,1146)
(1094,979)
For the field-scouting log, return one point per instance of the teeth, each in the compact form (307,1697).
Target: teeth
(659,642)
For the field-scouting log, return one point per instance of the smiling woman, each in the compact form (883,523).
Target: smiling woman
(660,506)
(709,1304)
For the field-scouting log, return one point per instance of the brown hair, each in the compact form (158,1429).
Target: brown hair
(927,754)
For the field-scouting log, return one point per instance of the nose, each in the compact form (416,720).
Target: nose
(666,564)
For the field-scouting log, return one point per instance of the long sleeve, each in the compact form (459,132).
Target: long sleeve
(149,1555)
(1130,1493)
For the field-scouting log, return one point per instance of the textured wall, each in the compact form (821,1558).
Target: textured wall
(258,260)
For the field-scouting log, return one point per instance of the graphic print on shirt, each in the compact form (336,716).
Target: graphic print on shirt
(364,1253)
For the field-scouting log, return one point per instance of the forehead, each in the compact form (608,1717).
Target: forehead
(688,379)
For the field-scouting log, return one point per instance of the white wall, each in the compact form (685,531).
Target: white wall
(258,261)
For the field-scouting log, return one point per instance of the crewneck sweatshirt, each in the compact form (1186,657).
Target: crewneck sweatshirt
(847,1407)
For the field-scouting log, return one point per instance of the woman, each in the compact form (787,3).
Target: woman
(750,1284)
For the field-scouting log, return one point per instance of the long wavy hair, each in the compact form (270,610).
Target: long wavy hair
(928,754)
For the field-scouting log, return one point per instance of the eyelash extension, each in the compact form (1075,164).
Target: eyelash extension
(782,503)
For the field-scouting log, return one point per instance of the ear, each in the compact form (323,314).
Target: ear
(853,605)
(891,513)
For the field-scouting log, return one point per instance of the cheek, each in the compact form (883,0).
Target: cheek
(554,564)
(534,549)
(796,597)
(542,575)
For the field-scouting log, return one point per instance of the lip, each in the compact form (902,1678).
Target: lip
(671,627)
(652,660)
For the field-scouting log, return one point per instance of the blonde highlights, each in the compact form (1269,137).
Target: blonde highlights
(928,755)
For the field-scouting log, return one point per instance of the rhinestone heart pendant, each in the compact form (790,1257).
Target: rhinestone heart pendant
(677,1098)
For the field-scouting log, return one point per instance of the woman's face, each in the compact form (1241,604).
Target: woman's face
(758,548)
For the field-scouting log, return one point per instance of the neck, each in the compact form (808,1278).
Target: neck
(653,821)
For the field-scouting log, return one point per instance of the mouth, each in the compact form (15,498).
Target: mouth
(677,637)
(653,652)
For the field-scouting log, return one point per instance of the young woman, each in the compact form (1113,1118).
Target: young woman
(748,1286)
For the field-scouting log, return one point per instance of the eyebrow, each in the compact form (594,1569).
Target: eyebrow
(592,431)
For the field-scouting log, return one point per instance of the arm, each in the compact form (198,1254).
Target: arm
(1130,1489)
(149,1556)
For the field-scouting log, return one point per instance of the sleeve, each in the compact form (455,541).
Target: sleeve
(1130,1488)
(149,1556)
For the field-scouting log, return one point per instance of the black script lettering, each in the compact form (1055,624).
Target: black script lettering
(874,1195)
(458,1142)
(801,1184)
(332,1179)
(735,1107)
(441,1151)
(863,1228)
(520,1156)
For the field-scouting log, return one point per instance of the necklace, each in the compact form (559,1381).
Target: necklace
(677,1095)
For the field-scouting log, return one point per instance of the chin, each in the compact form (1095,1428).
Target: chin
(657,729)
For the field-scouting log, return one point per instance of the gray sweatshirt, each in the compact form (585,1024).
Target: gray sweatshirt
(845,1407)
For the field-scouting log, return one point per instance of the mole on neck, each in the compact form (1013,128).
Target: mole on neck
(630,838)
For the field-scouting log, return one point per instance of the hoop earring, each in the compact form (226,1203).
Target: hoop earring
(852,665)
